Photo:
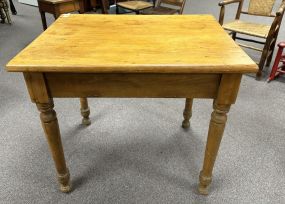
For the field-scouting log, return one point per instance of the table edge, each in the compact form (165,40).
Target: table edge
(249,68)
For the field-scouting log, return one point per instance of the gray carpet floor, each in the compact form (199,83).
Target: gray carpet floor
(135,151)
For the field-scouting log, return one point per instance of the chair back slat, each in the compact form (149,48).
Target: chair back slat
(261,7)
(173,2)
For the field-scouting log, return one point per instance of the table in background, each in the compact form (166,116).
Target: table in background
(187,56)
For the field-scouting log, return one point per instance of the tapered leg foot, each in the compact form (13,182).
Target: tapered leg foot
(203,190)
(204,184)
(258,75)
(185,124)
(65,189)
(85,111)
(215,134)
(86,121)
(187,113)
(64,180)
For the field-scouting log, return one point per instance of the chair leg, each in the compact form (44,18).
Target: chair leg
(262,61)
(56,15)
(44,22)
(3,17)
(5,7)
(234,35)
(104,6)
(276,63)
(12,8)
(187,113)
(81,7)
(85,111)
(269,58)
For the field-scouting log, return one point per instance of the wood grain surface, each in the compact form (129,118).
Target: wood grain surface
(133,44)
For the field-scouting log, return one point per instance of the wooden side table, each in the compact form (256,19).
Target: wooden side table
(182,56)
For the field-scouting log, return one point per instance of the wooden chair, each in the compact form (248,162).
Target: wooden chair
(165,7)
(4,11)
(133,6)
(268,32)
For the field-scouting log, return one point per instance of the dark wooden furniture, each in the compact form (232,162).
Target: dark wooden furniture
(259,30)
(166,7)
(56,7)
(12,7)
(186,56)
(90,5)
(4,12)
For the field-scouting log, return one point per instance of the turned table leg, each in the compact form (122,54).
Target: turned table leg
(215,134)
(85,111)
(51,129)
(187,113)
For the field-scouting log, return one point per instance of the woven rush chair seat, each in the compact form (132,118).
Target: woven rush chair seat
(135,5)
(253,29)
(159,10)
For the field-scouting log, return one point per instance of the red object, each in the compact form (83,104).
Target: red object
(276,69)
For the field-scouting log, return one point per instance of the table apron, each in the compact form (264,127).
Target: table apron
(132,85)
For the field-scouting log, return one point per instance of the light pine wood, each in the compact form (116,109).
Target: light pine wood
(187,113)
(39,94)
(186,45)
(51,128)
(227,95)
(37,87)
(85,111)
(187,59)
(215,134)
